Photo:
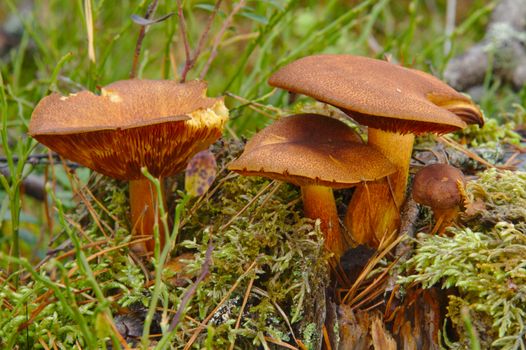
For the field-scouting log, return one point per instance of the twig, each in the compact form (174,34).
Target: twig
(219,36)
(200,328)
(89,28)
(450,142)
(205,269)
(238,321)
(37,159)
(182,26)
(189,64)
(245,102)
(350,296)
(32,185)
(140,38)
(249,204)
(280,343)
(121,340)
(281,312)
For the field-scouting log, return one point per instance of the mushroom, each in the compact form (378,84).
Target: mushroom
(157,124)
(440,186)
(396,103)
(318,154)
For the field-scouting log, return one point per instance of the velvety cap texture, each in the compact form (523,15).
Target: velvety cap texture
(307,149)
(436,186)
(159,124)
(380,94)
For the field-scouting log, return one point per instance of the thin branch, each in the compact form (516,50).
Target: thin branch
(182,25)
(203,324)
(37,159)
(238,321)
(219,36)
(205,269)
(189,64)
(450,142)
(32,185)
(89,28)
(149,12)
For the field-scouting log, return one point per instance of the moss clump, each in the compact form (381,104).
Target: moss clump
(493,133)
(290,273)
(485,262)
(497,196)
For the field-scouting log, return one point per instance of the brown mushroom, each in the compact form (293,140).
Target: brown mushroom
(318,154)
(440,186)
(396,103)
(157,124)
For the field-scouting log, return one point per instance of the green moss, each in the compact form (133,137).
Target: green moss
(497,130)
(485,262)
(290,273)
(492,133)
(497,196)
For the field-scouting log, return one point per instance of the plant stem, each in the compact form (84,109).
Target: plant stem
(149,12)
(144,208)
(160,258)
(190,60)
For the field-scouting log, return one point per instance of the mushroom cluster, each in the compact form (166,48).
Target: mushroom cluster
(157,124)
(161,124)
(396,103)
(318,154)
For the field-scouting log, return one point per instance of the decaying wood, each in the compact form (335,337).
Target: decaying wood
(354,328)
(416,322)
(381,338)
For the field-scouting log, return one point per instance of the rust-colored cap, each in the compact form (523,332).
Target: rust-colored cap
(436,186)
(380,94)
(308,149)
(159,124)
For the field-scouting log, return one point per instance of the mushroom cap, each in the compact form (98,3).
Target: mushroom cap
(159,124)
(311,149)
(436,186)
(380,94)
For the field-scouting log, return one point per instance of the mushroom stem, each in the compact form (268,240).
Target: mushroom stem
(444,218)
(319,203)
(374,210)
(143,208)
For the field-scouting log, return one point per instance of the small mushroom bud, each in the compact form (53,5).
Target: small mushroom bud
(440,186)
(395,103)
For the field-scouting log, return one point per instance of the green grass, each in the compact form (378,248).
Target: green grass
(52,55)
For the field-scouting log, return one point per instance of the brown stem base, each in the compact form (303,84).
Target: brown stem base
(374,210)
(144,213)
(318,202)
(444,218)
